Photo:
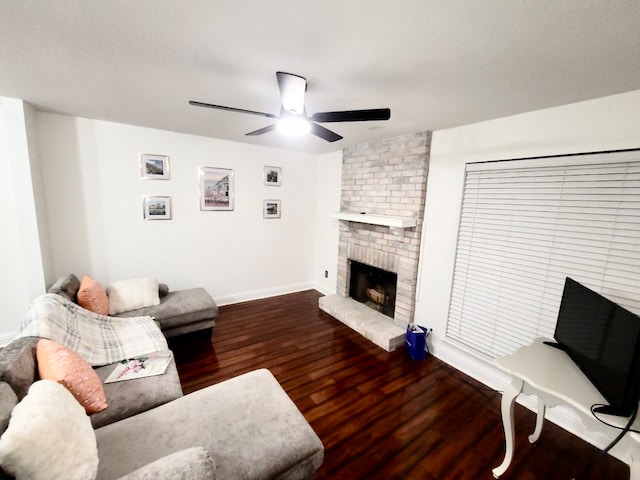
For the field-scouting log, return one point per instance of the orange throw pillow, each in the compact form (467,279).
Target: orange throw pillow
(93,296)
(61,364)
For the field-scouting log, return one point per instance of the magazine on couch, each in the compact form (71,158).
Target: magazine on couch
(141,366)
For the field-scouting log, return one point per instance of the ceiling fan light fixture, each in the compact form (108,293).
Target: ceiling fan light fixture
(294,125)
(292,90)
(293,119)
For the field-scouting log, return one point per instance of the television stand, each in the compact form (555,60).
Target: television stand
(553,345)
(550,375)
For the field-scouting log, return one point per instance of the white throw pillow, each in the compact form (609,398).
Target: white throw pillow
(132,294)
(49,437)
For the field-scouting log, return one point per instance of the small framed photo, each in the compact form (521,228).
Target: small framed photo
(272,176)
(216,188)
(271,209)
(156,208)
(154,167)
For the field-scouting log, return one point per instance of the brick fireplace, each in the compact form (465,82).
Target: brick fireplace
(383,189)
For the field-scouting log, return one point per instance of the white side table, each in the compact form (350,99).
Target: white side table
(551,375)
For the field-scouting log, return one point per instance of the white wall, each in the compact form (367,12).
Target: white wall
(608,123)
(21,255)
(37,184)
(94,197)
(329,183)
(14,296)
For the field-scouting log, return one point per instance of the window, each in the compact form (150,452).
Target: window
(525,226)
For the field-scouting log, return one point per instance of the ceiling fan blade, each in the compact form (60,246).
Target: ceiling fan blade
(292,88)
(260,131)
(239,110)
(324,133)
(352,115)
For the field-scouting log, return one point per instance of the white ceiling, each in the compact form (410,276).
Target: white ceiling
(434,63)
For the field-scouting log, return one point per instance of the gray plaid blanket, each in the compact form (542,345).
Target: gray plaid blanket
(99,339)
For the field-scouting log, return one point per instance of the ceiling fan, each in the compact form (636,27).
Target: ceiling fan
(293,115)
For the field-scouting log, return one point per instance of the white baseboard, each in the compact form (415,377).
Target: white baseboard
(258,294)
(323,290)
(493,377)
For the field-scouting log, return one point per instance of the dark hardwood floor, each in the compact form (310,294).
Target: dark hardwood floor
(379,415)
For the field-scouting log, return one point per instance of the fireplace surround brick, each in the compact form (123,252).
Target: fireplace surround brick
(388,177)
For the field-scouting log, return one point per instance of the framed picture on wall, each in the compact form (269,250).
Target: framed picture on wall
(272,176)
(216,188)
(271,209)
(156,208)
(154,167)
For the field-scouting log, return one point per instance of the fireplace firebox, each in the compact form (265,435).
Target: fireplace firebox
(374,287)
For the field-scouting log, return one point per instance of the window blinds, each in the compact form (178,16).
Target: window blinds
(526,225)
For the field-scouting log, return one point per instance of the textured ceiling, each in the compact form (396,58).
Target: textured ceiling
(436,64)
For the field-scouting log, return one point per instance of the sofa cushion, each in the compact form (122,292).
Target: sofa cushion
(18,365)
(179,308)
(8,400)
(189,464)
(132,294)
(61,364)
(67,286)
(93,296)
(148,393)
(49,437)
(249,425)
(163,289)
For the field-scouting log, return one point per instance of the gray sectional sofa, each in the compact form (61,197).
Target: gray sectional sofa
(179,312)
(244,428)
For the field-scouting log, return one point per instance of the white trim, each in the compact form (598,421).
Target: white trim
(325,291)
(386,220)
(266,293)
(595,158)
(470,363)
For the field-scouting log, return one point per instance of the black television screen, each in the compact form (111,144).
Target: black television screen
(603,339)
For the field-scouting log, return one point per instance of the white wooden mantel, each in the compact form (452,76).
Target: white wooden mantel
(395,224)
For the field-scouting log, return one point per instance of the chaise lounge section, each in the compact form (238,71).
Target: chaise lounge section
(248,424)
(179,312)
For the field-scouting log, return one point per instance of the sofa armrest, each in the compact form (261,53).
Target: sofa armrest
(183,465)
(18,365)
(66,286)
